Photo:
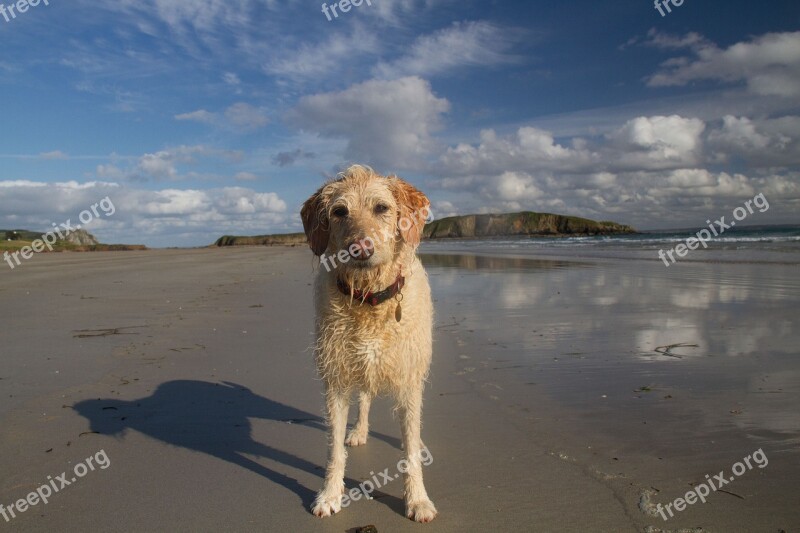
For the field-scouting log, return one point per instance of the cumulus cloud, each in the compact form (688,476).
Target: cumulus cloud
(769,64)
(757,142)
(739,133)
(646,199)
(651,171)
(154,217)
(659,141)
(528,149)
(464,44)
(385,123)
(164,164)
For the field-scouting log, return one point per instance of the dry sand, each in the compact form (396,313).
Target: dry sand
(191,370)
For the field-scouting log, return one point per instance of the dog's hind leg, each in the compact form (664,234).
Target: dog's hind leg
(329,499)
(358,435)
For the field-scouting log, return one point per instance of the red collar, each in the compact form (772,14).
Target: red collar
(373,298)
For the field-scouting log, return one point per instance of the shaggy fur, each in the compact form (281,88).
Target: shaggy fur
(364,348)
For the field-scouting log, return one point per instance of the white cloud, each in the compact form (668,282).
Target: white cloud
(768,64)
(186,19)
(55,154)
(164,164)
(652,171)
(245,176)
(666,41)
(757,142)
(231,79)
(110,172)
(21,183)
(659,141)
(159,165)
(303,61)
(701,182)
(391,11)
(464,44)
(201,115)
(241,117)
(385,123)
(246,117)
(155,217)
(528,149)
(739,133)
(517,186)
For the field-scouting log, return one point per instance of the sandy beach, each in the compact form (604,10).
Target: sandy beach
(548,409)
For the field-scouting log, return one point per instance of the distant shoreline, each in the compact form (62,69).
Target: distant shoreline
(274,240)
(78,241)
(472,227)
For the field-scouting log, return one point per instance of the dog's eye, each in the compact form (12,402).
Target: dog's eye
(340,212)
(381,209)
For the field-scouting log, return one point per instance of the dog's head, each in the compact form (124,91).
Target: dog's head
(365,220)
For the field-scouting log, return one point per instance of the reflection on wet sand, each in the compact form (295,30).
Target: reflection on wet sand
(597,331)
(487,262)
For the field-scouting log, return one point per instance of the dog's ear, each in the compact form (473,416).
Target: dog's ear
(414,210)
(315,222)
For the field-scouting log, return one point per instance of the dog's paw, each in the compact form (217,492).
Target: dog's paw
(423,511)
(356,438)
(326,505)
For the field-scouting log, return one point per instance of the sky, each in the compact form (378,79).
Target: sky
(203,118)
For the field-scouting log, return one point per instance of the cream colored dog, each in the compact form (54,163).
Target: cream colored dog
(373,317)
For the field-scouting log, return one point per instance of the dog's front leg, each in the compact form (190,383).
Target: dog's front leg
(329,499)
(419,507)
(358,435)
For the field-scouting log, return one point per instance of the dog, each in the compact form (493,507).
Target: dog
(374,318)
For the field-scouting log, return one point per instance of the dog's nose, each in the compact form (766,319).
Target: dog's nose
(361,250)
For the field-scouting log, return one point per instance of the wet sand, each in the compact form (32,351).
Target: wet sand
(547,410)
(647,378)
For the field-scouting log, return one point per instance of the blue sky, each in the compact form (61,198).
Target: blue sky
(201,118)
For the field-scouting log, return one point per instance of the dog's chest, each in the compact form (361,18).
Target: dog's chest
(369,343)
(364,348)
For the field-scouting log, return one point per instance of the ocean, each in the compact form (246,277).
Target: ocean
(770,244)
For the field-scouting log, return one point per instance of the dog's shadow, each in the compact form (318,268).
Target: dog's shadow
(214,418)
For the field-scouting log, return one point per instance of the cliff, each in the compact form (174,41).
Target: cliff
(76,241)
(285,239)
(519,224)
